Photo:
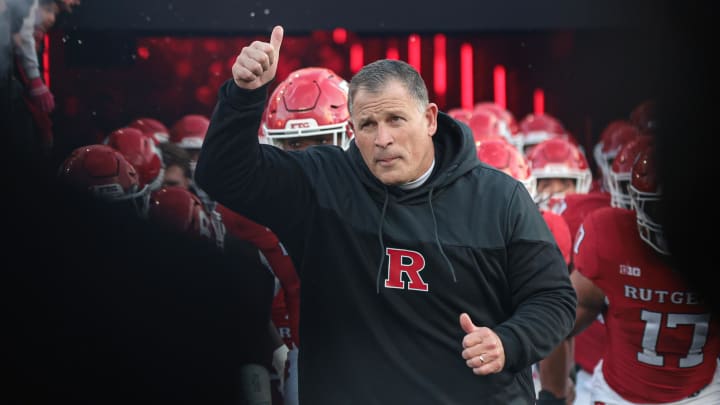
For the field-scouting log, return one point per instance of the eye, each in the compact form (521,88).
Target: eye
(294,144)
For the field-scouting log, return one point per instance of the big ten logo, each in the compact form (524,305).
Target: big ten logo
(630,270)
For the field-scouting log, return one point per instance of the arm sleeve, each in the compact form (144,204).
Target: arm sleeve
(262,182)
(543,299)
(25,45)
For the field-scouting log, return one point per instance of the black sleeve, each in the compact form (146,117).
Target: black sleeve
(261,182)
(543,298)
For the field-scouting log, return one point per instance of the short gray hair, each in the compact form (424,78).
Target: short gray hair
(374,76)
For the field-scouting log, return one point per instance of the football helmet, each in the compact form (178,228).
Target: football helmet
(615,135)
(483,124)
(558,158)
(460,114)
(310,102)
(501,155)
(619,176)
(646,198)
(644,116)
(507,124)
(178,209)
(156,130)
(535,128)
(189,131)
(106,174)
(140,150)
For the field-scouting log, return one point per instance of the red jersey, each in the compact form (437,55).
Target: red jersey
(560,231)
(285,311)
(662,342)
(577,206)
(590,343)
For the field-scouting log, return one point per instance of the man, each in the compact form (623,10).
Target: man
(427,277)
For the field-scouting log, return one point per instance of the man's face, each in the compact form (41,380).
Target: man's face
(305,142)
(175,176)
(393,135)
(553,186)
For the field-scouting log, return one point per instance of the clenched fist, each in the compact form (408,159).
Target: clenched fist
(257,63)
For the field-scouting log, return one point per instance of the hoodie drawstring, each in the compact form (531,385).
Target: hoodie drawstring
(382,243)
(437,237)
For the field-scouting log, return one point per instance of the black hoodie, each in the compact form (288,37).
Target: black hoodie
(386,273)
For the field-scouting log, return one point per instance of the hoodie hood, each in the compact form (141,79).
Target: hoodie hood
(455,155)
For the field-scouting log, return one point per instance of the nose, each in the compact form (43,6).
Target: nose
(384,136)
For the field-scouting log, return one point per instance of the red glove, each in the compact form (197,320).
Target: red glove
(41,95)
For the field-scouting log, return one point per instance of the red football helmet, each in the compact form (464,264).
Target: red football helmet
(310,102)
(646,198)
(460,114)
(615,135)
(105,173)
(178,209)
(153,128)
(558,158)
(501,155)
(644,116)
(189,131)
(140,150)
(507,124)
(484,123)
(619,178)
(535,128)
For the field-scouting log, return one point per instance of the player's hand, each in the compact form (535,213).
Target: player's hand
(483,349)
(257,63)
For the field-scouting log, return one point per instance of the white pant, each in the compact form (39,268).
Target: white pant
(583,387)
(601,391)
(290,396)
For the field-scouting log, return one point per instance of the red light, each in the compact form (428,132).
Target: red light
(392,53)
(356,57)
(467,85)
(143,52)
(205,95)
(414,54)
(216,68)
(183,69)
(46,60)
(440,64)
(499,84)
(339,35)
(538,101)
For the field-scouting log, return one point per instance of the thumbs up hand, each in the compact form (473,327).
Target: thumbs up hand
(482,349)
(257,63)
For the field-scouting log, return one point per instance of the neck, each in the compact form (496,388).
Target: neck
(420,180)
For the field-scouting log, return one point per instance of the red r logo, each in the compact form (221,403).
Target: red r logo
(408,262)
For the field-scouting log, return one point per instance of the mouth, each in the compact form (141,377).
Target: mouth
(386,161)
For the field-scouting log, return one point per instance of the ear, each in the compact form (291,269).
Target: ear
(431,113)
